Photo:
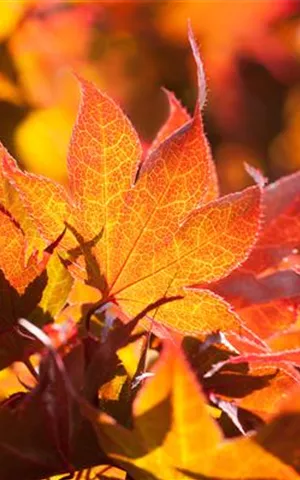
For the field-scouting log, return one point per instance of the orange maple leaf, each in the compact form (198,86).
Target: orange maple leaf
(152,229)
(265,290)
(22,285)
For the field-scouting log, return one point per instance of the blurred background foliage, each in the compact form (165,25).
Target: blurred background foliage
(130,49)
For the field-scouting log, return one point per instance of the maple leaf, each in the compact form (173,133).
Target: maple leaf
(264,276)
(269,306)
(26,288)
(155,231)
(255,383)
(265,290)
(174,435)
(254,387)
(278,355)
(280,236)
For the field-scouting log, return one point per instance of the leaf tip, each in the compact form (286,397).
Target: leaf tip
(256,175)
(200,68)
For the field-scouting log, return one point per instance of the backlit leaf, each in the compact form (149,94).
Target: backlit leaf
(10,200)
(12,255)
(144,231)
(22,286)
(173,433)
(280,236)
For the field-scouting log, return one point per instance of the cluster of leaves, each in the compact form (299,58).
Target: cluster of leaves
(153,325)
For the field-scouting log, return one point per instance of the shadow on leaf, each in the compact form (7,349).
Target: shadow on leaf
(85,248)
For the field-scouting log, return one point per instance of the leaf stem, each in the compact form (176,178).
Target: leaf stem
(31,368)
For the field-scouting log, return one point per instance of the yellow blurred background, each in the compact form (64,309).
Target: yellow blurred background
(130,49)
